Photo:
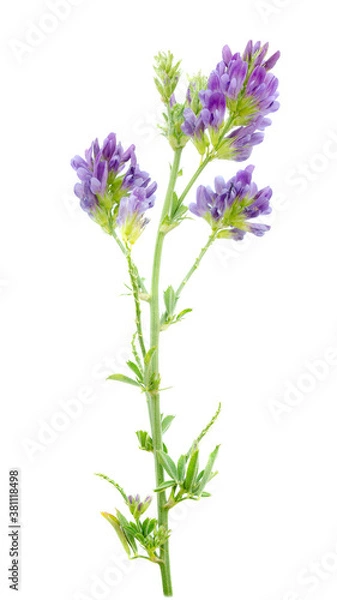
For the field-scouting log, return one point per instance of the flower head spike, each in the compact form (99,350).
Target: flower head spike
(230,206)
(108,175)
(240,92)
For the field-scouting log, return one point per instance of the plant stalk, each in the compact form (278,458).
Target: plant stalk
(154,398)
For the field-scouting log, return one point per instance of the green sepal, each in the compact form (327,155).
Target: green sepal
(116,525)
(168,464)
(124,379)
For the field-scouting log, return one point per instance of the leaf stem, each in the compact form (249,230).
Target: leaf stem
(196,263)
(135,292)
(124,249)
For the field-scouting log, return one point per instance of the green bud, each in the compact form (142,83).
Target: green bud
(138,507)
(174,134)
(168,74)
(197,83)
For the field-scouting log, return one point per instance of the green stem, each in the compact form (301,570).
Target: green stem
(196,263)
(125,250)
(193,179)
(135,292)
(154,400)
(207,160)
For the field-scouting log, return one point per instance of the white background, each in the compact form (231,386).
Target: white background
(264,310)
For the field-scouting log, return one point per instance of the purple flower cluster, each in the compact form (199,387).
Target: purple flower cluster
(248,77)
(110,179)
(229,208)
(243,87)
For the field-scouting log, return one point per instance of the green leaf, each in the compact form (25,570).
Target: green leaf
(166,422)
(145,441)
(205,495)
(175,197)
(116,485)
(148,526)
(179,213)
(181,467)
(184,312)
(135,369)
(123,379)
(192,470)
(168,465)
(165,485)
(148,356)
(127,530)
(208,470)
(170,300)
(116,525)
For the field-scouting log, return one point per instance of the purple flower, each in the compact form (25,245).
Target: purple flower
(213,113)
(243,139)
(256,53)
(107,175)
(230,206)
(262,91)
(230,74)
(192,126)
(246,81)
(238,145)
(242,86)
(131,218)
